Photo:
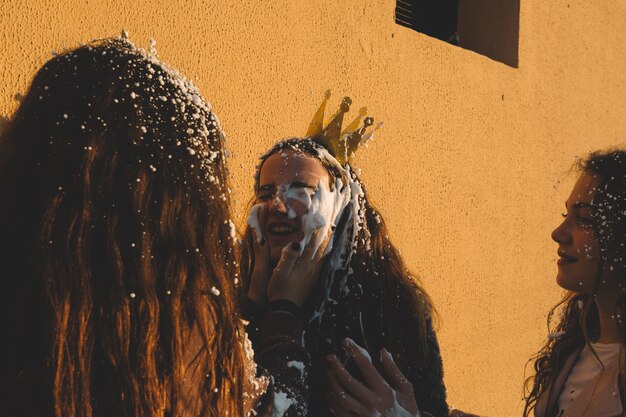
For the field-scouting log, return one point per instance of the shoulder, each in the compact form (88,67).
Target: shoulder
(548,399)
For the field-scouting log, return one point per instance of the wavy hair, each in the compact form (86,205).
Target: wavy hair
(375,293)
(115,245)
(579,321)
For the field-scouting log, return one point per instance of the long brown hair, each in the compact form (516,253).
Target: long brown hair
(116,253)
(579,321)
(373,288)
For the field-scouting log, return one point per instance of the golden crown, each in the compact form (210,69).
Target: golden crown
(342,144)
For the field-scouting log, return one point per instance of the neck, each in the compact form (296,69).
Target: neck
(607,312)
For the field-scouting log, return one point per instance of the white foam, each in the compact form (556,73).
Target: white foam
(253,221)
(298,365)
(281,403)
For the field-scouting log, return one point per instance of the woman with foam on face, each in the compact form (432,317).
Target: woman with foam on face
(118,266)
(304,192)
(581,369)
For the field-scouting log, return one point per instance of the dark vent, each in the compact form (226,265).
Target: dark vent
(433,18)
(488,27)
(404,13)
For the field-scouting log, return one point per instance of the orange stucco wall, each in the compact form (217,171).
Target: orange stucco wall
(467,169)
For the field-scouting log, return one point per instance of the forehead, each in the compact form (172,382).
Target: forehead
(584,190)
(289,165)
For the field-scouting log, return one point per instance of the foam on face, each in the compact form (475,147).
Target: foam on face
(323,210)
(253,221)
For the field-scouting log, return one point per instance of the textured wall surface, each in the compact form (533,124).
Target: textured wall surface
(467,170)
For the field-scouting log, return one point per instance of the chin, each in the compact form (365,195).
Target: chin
(563,283)
(572,284)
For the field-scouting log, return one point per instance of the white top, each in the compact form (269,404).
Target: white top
(586,370)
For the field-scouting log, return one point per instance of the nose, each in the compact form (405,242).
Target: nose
(277,204)
(561,233)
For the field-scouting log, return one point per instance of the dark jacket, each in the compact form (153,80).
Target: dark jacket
(356,310)
(281,356)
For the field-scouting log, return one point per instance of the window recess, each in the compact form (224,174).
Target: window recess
(487,27)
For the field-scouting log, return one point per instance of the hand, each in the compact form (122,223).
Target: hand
(295,273)
(391,396)
(262,271)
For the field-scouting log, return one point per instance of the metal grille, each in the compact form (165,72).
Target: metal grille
(436,18)
(404,13)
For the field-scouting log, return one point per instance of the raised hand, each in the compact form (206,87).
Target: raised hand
(296,272)
(391,396)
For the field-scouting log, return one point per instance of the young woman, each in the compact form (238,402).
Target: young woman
(118,270)
(580,370)
(363,289)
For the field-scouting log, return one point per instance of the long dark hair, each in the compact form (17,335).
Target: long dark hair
(116,253)
(578,323)
(370,291)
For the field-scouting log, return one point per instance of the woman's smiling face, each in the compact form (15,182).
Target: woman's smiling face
(287,181)
(579,251)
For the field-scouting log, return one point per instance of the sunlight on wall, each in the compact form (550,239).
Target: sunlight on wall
(465,169)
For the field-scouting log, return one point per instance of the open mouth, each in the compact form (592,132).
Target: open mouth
(281,229)
(564,258)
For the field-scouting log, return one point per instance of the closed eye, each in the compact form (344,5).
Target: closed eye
(298,184)
(265,192)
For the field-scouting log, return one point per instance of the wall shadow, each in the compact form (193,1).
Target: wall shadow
(490,28)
